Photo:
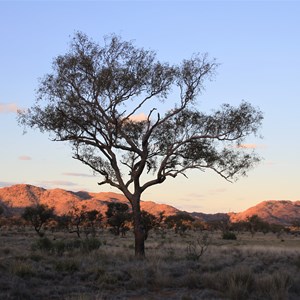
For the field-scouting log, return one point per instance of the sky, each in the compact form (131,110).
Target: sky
(257,44)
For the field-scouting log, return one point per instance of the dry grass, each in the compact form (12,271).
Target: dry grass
(62,267)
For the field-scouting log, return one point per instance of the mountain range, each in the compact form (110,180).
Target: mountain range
(15,198)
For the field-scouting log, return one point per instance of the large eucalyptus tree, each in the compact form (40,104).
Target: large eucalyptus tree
(94,95)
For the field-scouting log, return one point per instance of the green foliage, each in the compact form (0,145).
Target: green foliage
(148,221)
(78,220)
(117,215)
(38,215)
(44,244)
(61,246)
(179,222)
(22,269)
(229,235)
(90,244)
(67,265)
(256,224)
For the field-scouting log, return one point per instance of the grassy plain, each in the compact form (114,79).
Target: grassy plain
(62,267)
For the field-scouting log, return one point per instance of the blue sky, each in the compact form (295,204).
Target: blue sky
(256,42)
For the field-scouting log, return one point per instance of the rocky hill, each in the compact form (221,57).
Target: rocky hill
(273,211)
(210,217)
(15,198)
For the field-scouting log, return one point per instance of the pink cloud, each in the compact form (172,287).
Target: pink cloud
(217,191)
(8,108)
(138,118)
(251,146)
(55,183)
(24,157)
(78,174)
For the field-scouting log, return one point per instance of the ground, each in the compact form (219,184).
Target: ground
(60,266)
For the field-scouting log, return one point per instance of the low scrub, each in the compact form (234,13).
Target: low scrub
(229,235)
(60,247)
(193,266)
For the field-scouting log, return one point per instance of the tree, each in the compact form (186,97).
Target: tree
(117,215)
(38,215)
(148,222)
(256,223)
(104,100)
(180,222)
(92,217)
(75,219)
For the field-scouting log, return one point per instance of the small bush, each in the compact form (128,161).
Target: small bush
(69,266)
(43,244)
(197,248)
(22,269)
(59,247)
(274,286)
(229,235)
(35,257)
(239,283)
(89,245)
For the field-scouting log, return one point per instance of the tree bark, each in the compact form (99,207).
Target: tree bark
(139,231)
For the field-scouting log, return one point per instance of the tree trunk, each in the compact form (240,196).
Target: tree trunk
(139,231)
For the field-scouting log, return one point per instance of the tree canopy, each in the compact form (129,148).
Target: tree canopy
(95,97)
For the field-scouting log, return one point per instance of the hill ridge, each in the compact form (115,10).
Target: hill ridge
(16,197)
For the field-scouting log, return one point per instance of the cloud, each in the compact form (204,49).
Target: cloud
(251,146)
(8,108)
(216,191)
(138,118)
(55,183)
(24,157)
(78,174)
(193,196)
(269,163)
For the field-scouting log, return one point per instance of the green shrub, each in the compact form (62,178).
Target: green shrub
(68,265)
(22,269)
(59,247)
(229,235)
(43,244)
(89,245)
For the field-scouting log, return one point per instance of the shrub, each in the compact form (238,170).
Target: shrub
(43,244)
(22,269)
(38,216)
(274,286)
(89,245)
(69,266)
(239,283)
(228,235)
(197,248)
(59,247)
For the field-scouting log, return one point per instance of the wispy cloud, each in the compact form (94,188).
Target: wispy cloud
(138,117)
(78,174)
(8,108)
(251,146)
(25,157)
(55,183)
(217,191)
(194,196)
